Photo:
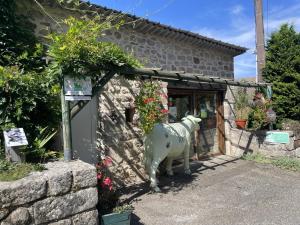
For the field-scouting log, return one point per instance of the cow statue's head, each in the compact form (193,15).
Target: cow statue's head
(195,121)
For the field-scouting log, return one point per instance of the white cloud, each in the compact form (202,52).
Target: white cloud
(237,9)
(245,65)
(240,31)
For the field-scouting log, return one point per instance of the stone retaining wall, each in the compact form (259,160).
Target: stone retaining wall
(244,141)
(64,194)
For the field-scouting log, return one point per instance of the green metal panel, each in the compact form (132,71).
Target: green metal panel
(116,218)
(278,137)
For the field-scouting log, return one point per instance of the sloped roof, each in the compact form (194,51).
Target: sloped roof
(147,26)
(150,27)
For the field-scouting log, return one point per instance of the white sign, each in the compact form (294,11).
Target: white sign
(15,137)
(77,88)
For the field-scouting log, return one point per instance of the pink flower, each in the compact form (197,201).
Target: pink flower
(107,161)
(99,176)
(107,181)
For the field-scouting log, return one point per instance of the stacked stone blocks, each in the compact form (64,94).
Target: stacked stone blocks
(63,194)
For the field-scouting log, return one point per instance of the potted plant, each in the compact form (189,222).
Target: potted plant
(121,215)
(241,108)
(261,114)
(108,197)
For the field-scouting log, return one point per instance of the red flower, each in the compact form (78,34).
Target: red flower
(165,111)
(147,100)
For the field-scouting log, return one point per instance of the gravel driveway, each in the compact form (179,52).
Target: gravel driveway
(221,191)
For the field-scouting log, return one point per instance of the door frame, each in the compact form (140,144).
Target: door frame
(219,107)
(221,122)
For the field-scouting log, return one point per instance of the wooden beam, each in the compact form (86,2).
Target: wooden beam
(195,78)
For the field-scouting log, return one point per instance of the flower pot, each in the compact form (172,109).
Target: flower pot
(122,218)
(241,124)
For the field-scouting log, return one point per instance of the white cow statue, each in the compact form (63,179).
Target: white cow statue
(171,141)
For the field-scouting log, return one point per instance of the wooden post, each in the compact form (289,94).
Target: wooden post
(260,40)
(66,124)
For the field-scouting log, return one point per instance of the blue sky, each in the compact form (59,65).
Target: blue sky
(227,20)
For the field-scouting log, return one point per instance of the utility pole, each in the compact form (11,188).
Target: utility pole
(260,40)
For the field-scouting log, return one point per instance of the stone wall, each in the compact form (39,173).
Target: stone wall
(244,141)
(115,136)
(153,50)
(168,54)
(64,194)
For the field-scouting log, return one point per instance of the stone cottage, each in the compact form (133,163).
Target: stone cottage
(102,124)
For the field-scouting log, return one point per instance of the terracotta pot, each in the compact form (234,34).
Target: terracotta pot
(241,124)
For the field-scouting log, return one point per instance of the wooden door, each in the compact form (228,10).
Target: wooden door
(206,108)
(220,122)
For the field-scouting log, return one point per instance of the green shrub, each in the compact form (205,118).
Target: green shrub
(257,118)
(29,100)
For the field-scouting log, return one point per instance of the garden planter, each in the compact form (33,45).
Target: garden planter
(122,218)
(241,124)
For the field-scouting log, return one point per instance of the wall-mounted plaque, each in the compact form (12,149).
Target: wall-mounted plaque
(15,137)
(277,137)
(77,88)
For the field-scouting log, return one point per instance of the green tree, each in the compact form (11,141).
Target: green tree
(16,36)
(283,71)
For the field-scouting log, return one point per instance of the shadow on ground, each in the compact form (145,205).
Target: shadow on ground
(173,184)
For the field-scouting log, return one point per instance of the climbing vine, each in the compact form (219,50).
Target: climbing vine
(78,52)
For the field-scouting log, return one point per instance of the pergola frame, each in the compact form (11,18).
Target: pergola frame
(146,73)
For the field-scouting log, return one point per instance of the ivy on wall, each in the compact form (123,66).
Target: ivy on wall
(79,53)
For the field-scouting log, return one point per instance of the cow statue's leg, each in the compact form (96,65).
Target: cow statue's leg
(187,159)
(154,165)
(169,166)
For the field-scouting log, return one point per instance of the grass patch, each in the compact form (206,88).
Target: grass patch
(11,171)
(256,158)
(287,163)
(281,162)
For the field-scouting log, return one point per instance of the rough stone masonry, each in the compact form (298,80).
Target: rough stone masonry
(64,194)
(170,52)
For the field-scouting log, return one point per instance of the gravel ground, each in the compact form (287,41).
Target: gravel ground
(222,190)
